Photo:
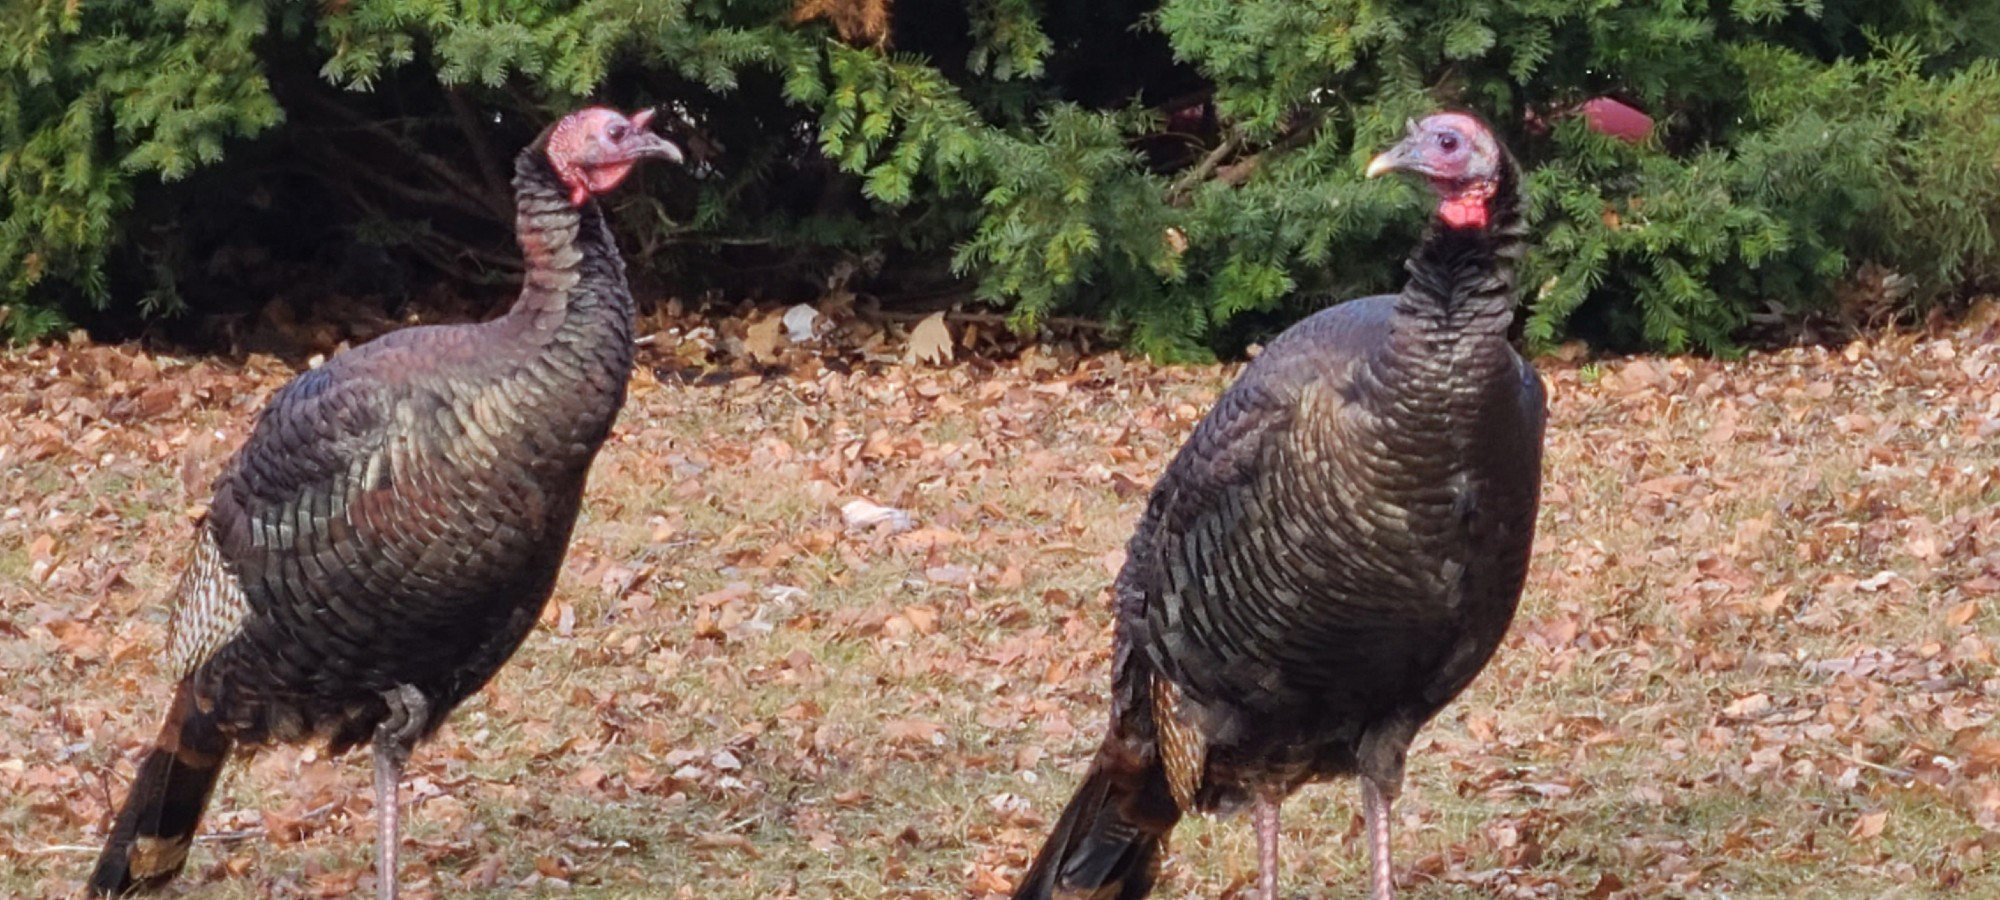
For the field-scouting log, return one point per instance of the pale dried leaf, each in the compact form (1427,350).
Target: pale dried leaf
(765,338)
(930,341)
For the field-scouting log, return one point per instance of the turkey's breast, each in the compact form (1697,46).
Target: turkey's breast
(1342,540)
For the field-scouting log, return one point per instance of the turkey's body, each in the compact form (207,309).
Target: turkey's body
(389,532)
(398,516)
(1332,557)
(1316,566)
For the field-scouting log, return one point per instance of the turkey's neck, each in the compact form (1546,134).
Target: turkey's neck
(574,274)
(574,315)
(1462,279)
(1448,346)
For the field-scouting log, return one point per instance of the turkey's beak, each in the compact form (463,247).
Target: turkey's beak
(1401,156)
(646,144)
(652,146)
(1388,161)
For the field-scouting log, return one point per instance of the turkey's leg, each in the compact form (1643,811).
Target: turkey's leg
(394,738)
(1375,809)
(1266,813)
(388,778)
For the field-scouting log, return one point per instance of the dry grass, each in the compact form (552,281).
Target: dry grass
(1755,657)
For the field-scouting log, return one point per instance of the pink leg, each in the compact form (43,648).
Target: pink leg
(1381,870)
(388,778)
(408,710)
(1266,813)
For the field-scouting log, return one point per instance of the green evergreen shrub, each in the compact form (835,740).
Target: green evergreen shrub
(1186,170)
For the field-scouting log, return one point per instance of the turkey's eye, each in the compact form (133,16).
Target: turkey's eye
(1448,143)
(616,132)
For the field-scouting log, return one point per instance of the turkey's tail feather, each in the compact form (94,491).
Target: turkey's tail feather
(1108,843)
(149,840)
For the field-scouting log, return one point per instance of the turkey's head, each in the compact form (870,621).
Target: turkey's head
(593,149)
(1458,155)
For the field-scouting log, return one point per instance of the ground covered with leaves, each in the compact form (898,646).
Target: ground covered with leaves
(840,629)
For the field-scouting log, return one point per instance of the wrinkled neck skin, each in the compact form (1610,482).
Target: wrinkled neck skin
(1448,343)
(1459,300)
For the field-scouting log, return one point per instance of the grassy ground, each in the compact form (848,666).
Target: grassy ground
(1755,657)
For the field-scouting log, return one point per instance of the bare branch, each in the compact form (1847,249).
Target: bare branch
(980,318)
(496,207)
(437,251)
(1212,165)
(345,167)
(1240,172)
(1178,192)
(475,140)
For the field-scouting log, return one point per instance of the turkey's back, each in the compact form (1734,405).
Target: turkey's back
(397,517)
(1341,542)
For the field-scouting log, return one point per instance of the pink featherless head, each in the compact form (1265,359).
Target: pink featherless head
(593,149)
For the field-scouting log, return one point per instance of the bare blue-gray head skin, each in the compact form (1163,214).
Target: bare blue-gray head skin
(1457,154)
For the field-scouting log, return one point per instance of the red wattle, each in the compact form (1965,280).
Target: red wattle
(1463,212)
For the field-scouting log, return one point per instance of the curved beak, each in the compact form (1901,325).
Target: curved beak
(1384,163)
(651,146)
(647,145)
(1401,156)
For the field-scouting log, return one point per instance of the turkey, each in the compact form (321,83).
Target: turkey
(389,532)
(1331,558)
